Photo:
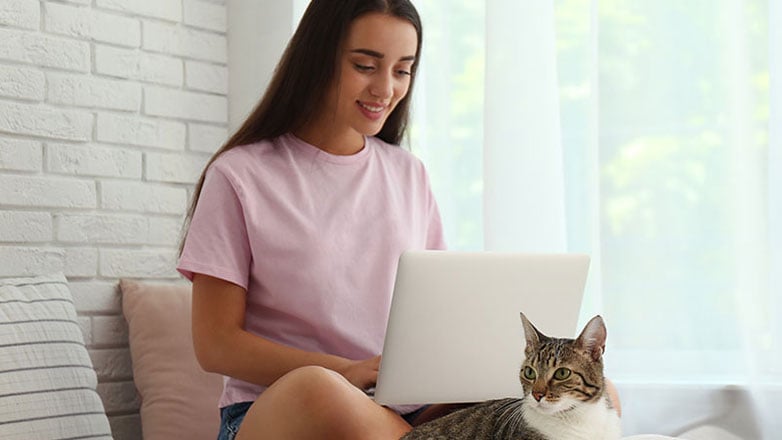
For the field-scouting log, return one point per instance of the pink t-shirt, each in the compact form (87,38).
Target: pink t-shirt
(314,238)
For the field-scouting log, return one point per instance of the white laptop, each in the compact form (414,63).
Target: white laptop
(454,333)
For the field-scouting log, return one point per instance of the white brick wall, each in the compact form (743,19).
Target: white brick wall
(22,83)
(109,109)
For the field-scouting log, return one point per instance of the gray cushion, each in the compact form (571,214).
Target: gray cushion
(47,382)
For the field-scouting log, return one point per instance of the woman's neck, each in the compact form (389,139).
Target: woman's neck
(346,143)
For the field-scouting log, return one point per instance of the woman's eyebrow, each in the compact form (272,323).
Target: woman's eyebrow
(378,55)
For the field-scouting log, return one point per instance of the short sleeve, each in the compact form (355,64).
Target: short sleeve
(435,236)
(217,242)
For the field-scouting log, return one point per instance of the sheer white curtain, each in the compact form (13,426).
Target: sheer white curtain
(649,135)
(524,186)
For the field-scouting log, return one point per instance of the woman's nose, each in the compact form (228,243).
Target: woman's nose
(383,86)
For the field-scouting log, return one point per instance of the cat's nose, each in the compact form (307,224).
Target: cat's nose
(538,395)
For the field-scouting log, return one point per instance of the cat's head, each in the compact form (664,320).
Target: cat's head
(559,374)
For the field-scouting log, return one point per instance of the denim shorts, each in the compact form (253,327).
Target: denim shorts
(231,418)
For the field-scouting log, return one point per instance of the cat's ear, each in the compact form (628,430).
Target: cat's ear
(592,339)
(532,334)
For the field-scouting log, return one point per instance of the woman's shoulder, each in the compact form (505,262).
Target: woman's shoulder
(240,155)
(243,161)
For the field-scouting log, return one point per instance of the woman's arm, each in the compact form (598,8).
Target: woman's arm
(223,346)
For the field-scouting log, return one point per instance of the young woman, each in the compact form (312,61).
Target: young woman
(297,225)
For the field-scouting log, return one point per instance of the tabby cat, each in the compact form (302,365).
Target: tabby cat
(564,396)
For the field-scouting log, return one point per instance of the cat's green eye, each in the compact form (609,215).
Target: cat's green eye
(562,374)
(529,373)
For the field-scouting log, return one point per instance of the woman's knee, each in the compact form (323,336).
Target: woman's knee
(316,388)
(295,406)
(313,379)
(317,402)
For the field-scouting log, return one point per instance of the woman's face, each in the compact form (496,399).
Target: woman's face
(374,67)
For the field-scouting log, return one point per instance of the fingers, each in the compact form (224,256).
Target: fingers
(363,373)
(375,362)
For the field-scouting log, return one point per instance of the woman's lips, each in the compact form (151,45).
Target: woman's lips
(371,110)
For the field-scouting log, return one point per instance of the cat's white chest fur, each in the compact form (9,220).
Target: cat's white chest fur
(593,421)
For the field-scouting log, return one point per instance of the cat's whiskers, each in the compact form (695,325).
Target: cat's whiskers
(511,417)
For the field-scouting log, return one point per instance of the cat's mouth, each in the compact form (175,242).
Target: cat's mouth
(548,407)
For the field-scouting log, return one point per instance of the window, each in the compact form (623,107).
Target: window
(663,110)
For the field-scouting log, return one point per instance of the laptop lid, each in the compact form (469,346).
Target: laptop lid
(454,332)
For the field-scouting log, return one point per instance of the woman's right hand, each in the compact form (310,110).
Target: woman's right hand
(223,346)
(363,373)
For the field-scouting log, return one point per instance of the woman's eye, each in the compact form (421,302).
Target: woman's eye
(562,374)
(403,72)
(363,68)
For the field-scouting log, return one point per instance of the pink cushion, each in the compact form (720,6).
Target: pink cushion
(178,399)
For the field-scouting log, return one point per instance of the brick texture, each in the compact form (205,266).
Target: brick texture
(22,83)
(20,154)
(20,13)
(109,110)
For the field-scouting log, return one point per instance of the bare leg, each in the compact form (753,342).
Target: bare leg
(314,402)
(613,395)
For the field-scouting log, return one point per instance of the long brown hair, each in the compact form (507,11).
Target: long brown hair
(306,70)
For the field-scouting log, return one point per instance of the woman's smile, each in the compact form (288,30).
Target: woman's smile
(372,111)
